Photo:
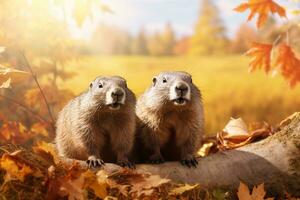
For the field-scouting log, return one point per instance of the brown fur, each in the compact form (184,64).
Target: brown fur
(167,131)
(88,127)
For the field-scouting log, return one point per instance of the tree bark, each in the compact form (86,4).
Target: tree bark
(274,161)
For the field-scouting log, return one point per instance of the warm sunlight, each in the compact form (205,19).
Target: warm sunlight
(149,99)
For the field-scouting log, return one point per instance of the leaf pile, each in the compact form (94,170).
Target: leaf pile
(37,174)
(237,134)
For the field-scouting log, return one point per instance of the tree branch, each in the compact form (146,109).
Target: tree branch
(41,90)
(36,115)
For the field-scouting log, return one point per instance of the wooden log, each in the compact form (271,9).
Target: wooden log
(274,161)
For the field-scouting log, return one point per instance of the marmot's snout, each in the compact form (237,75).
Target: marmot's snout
(115,98)
(180,93)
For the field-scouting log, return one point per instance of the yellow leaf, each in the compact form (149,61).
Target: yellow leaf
(14,170)
(6,84)
(81,11)
(9,75)
(48,147)
(91,181)
(205,149)
(40,128)
(182,189)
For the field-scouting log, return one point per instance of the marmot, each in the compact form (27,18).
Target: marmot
(170,119)
(99,125)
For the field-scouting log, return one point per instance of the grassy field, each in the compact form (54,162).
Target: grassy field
(227,87)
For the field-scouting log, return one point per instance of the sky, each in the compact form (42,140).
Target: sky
(152,15)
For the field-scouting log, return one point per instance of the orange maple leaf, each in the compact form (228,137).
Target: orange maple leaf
(258,192)
(289,64)
(261,56)
(262,8)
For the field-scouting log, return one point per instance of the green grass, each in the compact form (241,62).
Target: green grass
(227,87)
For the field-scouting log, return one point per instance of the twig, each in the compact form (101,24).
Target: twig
(39,86)
(39,117)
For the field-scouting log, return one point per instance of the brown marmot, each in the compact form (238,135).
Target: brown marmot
(99,125)
(170,119)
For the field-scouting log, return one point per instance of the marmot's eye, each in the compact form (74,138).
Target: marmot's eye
(164,80)
(100,85)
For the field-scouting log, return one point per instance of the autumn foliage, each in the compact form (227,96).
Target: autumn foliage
(31,97)
(262,8)
(261,55)
(285,60)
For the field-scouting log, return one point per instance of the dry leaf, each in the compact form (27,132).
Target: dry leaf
(289,65)
(243,192)
(236,128)
(182,189)
(6,84)
(14,170)
(236,134)
(260,56)
(95,182)
(262,8)
(258,192)
(205,149)
(50,148)
(10,76)
(40,128)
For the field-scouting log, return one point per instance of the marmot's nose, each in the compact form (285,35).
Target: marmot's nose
(117,92)
(181,86)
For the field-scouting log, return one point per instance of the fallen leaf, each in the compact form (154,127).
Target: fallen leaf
(96,183)
(243,192)
(236,128)
(182,189)
(258,192)
(14,170)
(40,128)
(262,8)
(260,56)
(205,149)
(50,148)
(237,134)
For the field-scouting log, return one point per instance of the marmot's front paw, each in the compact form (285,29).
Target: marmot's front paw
(126,164)
(156,159)
(94,162)
(189,162)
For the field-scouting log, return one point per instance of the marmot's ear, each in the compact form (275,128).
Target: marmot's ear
(154,79)
(91,85)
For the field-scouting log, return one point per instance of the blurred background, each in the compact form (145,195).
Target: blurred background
(67,43)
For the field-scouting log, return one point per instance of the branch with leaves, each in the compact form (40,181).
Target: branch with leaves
(271,57)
